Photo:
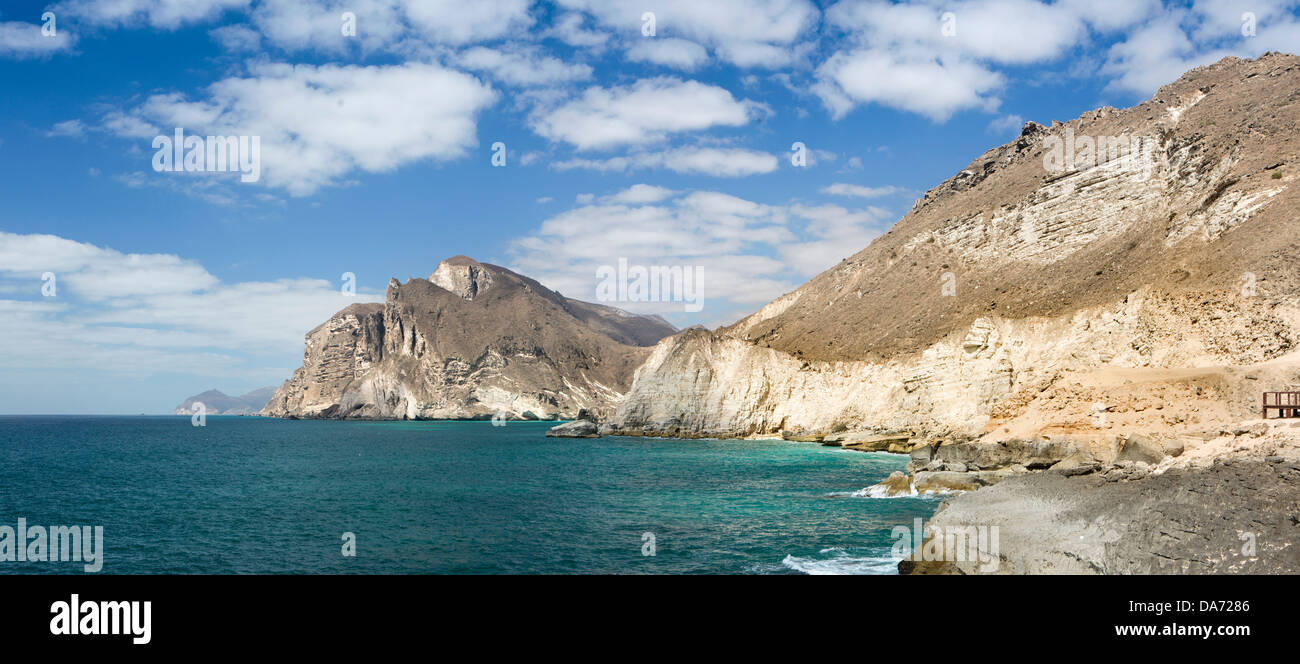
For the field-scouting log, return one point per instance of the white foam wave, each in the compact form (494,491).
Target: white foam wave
(841,562)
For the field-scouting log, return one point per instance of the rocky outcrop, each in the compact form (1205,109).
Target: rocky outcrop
(574,429)
(1077,463)
(474,341)
(1237,516)
(339,352)
(1012,299)
(970,466)
(1139,448)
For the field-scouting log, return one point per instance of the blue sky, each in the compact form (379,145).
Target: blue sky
(376,153)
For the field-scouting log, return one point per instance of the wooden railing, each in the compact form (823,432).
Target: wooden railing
(1287,404)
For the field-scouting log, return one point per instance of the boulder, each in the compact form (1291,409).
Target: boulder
(1173,446)
(575,429)
(922,454)
(801,437)
(992,456)
(865,441)
(1076,464)
(1141,448)
(897,484)
(947,480)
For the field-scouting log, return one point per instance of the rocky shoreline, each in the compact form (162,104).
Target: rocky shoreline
(1228,503)
(1221,501)
(1236,516)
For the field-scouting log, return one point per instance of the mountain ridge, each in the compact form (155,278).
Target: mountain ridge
(972,314)
(216,402)
(472,341)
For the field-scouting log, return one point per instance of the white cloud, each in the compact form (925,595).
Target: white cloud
(933,87)
(461,22)
(1165,47)
(639,194)
(750,252)
(146,312)
(67,128)
(1156,54)
(717,162)
(237,38)
(570,29)
(747,33)
(831,233)
(1006,124)
(395,26)
(859,191)
(644,112)
(25,40)
(312,24)
(1110,15)
(669,52)
(523,67)
(910,57)
(318,124)
(166,14)
(96,273)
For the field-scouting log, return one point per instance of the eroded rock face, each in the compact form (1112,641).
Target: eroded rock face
(338,352)
(1008,280)
(476,341)
(463,276)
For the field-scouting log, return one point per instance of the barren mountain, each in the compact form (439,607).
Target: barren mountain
(472,341)
(1009,296)
(216,402)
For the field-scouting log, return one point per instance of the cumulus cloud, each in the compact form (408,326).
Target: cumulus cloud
(859,191)
(522,67)
(938,58)
(461,22)
(747,33)
(571,28)
(1006,123)
(71,128)
(933,87)
(392,25)
(647,111)
(750,252)
(165,14)
(669,52)
(25,40)
(116,311)
(639,194)
(295,25)
(320,123)
(1163,48)
(716,162)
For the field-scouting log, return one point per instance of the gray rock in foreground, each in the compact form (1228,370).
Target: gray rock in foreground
(1185,521)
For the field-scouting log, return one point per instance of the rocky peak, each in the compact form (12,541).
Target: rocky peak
(463,276)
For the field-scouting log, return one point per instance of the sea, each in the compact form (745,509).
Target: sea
(248,495)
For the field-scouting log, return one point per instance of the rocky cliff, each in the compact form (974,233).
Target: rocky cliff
(472,341)
(1050,287)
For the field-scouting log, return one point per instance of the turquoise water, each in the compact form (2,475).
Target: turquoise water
(251,495)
